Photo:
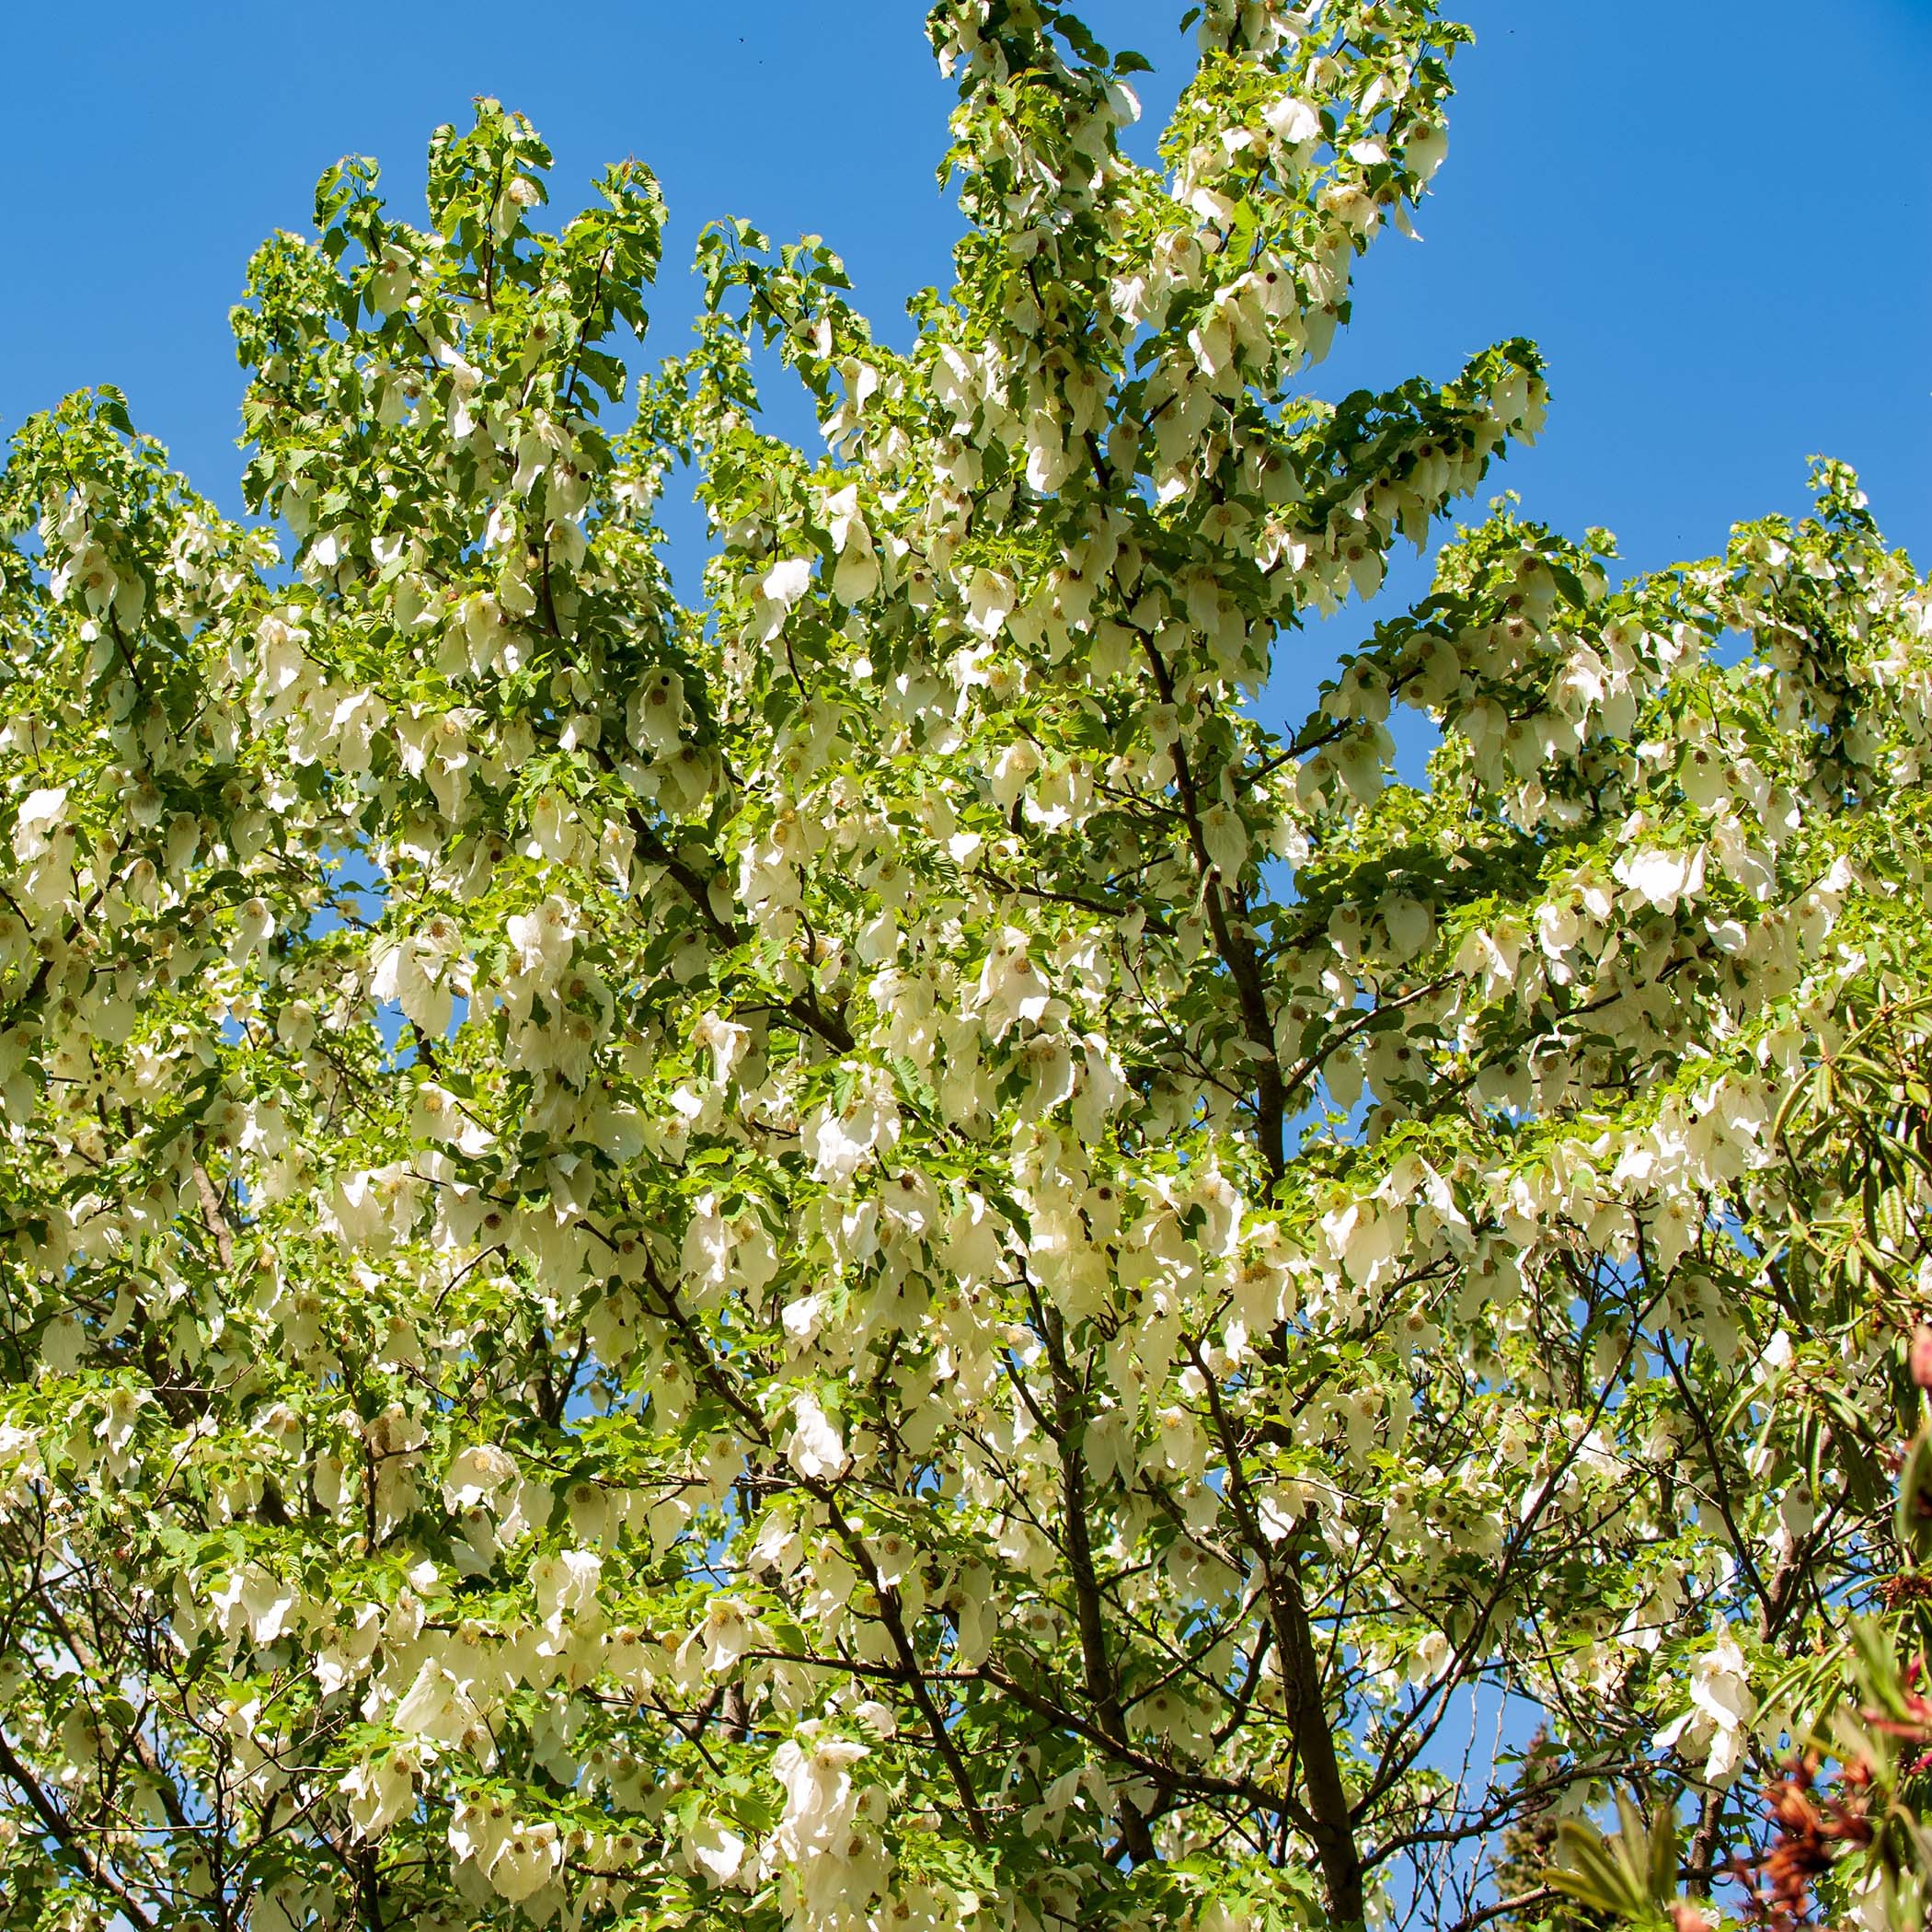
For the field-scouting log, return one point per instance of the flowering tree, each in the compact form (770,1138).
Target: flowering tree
(860,1256)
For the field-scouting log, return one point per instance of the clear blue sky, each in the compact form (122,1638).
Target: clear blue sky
(1712,214)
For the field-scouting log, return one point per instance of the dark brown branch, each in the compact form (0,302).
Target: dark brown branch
(1331,1822)
(62,1827)
(1096,1666)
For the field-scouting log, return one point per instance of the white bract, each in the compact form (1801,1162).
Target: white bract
(855,1256)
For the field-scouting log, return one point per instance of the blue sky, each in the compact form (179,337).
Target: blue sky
(1712,214)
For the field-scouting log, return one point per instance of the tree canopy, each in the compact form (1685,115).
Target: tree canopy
(857,1256)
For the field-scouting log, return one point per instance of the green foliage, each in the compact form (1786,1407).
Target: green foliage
(856,1255)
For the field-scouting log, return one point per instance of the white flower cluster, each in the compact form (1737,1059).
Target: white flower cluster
(860,1258)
